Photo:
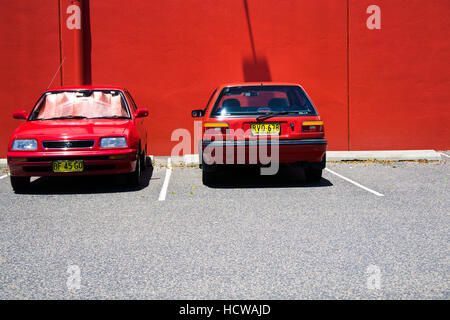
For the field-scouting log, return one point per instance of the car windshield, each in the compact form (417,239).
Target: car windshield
(81,104)
(260,100)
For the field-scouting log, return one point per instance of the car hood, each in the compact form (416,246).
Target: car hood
(72,128)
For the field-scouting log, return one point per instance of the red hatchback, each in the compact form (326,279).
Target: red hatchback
(79,131)
(243,123)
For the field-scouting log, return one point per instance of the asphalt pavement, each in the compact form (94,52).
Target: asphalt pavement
(365,231)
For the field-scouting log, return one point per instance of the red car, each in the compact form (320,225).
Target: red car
(79,131)
(238,116)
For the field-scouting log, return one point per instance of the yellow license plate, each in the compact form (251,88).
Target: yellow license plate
(260,129)
(68,166)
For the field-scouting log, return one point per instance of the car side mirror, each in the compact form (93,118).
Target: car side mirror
(20,114)
(197,113)
(141,113)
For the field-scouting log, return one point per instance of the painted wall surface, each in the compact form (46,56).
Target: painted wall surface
(172,54)
(399,76)
(29,51)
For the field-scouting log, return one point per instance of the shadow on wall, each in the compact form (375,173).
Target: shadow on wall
(255,68)
(87,42)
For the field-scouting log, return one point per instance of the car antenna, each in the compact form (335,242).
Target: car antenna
(54,76)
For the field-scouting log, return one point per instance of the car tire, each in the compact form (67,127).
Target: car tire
(20,184)
(313,174)
(207,174)
(134,178)
(143,161)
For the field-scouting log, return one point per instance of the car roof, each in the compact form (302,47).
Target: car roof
(86,88)
(264,83)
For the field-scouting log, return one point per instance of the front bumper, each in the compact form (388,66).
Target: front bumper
(289,151)
(95,162)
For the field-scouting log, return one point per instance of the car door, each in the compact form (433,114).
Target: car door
(140,122)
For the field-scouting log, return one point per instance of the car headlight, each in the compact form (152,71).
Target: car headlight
(119,142)
(24,144)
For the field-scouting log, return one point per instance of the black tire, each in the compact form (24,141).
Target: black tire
(134,178)
(207,174)
(20,184)
(313,174)
(143,161)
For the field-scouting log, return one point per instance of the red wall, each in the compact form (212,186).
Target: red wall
(399,76)
(172,54)
(29,51)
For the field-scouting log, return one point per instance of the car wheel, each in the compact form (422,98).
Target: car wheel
(143,161)
(207,174)
(134,178)
(313,174)
(20,184)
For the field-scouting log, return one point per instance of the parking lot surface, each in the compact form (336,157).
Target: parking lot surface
(245,237)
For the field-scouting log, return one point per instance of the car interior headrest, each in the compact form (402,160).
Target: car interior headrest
(278,102)
(230,103)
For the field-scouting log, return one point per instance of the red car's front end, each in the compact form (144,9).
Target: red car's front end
(76,140)
(78,131)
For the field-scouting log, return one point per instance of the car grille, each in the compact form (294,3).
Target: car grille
(68,144)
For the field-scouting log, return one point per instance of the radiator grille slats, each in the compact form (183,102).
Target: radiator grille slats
(68,144)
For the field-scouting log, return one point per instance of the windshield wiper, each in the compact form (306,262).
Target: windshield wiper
(111,117)
(273,114)
(65,117)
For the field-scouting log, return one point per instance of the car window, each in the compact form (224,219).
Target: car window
(209,101)
(133,104)
(81,104)
(251,100)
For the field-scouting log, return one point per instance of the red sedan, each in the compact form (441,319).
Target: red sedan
(79,131)
(240,119)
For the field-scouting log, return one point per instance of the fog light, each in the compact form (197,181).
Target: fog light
(118,157)
(18,159)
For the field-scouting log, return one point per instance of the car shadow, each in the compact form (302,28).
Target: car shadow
(87,184)
(250,177)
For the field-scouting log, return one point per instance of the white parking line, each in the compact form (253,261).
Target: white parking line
(445,155)
(3,177)
(355,183)
(162,194)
